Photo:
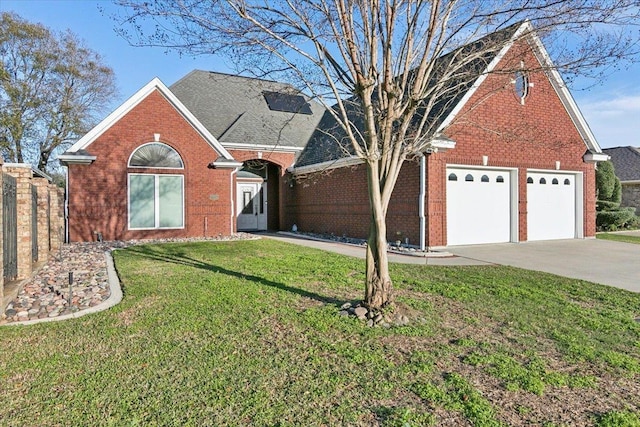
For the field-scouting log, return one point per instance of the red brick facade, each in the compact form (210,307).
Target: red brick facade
(494,123)
(98,192)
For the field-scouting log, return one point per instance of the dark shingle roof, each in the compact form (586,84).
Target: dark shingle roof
(626,161)
(329,142)
(234,109)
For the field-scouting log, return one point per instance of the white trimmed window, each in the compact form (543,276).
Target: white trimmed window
(156,201)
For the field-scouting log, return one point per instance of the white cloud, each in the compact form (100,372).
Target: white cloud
(615,121)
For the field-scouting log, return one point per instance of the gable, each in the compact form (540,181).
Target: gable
(80,152)
(325,145)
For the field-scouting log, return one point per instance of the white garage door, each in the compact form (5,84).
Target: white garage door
(551,206)
(478,206)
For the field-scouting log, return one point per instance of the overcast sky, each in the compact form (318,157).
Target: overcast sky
(612,108)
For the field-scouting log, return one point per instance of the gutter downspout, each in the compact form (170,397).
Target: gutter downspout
(233,202)
(66,207)
(421,200)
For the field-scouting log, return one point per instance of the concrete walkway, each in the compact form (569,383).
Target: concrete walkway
(600,261)
(359,251)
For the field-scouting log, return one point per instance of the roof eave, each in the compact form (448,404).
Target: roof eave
(330,164)
(591,157)
(225,164)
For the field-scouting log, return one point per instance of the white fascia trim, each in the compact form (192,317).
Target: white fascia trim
(595,157)
(565,96)
(76,160)
(260,147)
(554,171)
(631,182)
(480,167)
(492,65)
(443,144)
(331,164)
(134,100)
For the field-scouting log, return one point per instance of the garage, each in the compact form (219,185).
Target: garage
(479,206)
(551,205)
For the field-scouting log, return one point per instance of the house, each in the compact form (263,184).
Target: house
(215,153)
(206,157)
(626,161)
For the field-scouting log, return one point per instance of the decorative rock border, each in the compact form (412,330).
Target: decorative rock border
(47,295)
(371,317)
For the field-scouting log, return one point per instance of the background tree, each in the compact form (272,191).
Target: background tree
(51,87)
(386,70)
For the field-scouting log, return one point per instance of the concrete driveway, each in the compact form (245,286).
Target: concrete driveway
(600,261)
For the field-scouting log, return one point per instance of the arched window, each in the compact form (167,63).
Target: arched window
(554,181)
(499,178)
(469,177)
(453,177)
(543,181)
(156,200)
(484,178)
(529,180)
(155,155)
(567,182)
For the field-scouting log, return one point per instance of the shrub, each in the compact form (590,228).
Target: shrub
(609,215)
(616,219)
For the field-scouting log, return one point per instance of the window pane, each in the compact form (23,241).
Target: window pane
(156,155)
(247,202)
(170,194)
(141,201)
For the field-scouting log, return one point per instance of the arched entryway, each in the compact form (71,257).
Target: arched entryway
(257,196)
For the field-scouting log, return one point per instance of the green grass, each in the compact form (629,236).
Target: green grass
(623,237)
(247,333)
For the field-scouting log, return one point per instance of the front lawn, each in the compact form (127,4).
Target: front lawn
(622,237)
(248,333)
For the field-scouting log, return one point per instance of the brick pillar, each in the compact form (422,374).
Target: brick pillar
(24,203)
(1,237)
(42,187)
(56,231)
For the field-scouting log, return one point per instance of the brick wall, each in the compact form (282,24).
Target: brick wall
(533,135)
(98,200)
(49,218)
(494,123)
(336,201)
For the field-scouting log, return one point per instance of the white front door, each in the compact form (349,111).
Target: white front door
(252,206)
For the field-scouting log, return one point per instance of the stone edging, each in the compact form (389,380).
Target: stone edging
(430,254)
(114,298)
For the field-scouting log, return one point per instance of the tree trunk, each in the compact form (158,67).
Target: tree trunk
(378,293)
(378,290)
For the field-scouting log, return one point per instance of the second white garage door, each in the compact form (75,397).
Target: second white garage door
(478,206)
(551,206)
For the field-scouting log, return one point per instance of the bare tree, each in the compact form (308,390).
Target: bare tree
(51,86)
(386,70)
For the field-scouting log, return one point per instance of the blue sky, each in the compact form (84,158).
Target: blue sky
(612,108)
